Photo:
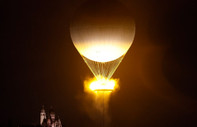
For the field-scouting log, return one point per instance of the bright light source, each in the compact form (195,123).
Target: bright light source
(101,84)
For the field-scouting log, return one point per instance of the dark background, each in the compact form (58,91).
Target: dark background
(40,65)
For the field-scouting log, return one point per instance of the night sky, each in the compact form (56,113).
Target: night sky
(40,65)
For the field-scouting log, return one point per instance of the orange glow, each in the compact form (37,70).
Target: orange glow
(101,84)
(99,91)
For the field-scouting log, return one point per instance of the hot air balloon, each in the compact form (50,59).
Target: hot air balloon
(102,32)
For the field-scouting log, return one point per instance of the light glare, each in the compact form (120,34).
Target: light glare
(101,84)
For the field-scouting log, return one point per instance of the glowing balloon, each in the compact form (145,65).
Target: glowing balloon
(102,32)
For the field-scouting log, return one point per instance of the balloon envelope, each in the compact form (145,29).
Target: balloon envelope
(102,33)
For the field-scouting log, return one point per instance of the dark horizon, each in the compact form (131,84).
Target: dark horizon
(42,67)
